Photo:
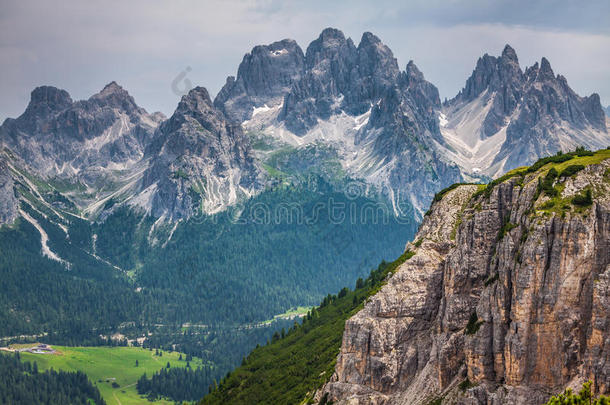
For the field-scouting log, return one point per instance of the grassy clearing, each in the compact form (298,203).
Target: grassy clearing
(293,312)
(105,365)
(596,158)
(556,203)
(273,172)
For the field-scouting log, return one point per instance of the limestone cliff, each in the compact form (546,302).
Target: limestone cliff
(506,301)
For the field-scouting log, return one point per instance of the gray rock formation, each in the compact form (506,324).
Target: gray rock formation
(550,109)
(501,77)
(200,162)
(9,204)
(339,77)
(264,76)
(505,118)
(79,140)
(502,291)
(381,121)
(386,126)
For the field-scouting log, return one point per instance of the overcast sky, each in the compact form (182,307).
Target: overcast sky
(144,45)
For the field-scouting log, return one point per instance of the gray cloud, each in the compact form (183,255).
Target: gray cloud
(145,44)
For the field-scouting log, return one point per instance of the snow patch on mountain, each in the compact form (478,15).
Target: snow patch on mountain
(465,143)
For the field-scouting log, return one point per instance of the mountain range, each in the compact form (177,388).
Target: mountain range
(224,215)
(385,126)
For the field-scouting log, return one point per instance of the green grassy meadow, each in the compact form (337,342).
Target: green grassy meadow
(103,364)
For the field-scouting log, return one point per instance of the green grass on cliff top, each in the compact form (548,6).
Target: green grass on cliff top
(542,166)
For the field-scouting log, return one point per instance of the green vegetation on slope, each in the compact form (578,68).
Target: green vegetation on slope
(559,162)
(584,397)
(177,384)
(39,295)
(287,247)
(226,275)
(291,368)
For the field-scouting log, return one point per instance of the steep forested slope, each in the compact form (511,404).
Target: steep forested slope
(294,365)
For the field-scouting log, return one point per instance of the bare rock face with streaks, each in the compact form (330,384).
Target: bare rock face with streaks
(505,301)
(506,117)
(264,76)
(80,140)
(8,200)
(201,162)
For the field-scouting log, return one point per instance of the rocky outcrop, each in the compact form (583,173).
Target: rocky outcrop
(339,77)
(264,76)
(551,117)
(505,301)
(83,140)
(502,80)
(9,204)
(505,117)
(200,162)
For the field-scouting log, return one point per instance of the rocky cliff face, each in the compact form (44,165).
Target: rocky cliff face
(505,301)
(505,117)
(264,76)
(8,201)
(200,162)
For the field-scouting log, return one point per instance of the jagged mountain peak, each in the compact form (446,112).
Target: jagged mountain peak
(493,73)
(505,118)
(115,96)
(509,53)
(196,97)
(413,71)
(368,38)
(195,104)
(111,91)
(331,44)
(546,71)
(264,76)
(286,44)
(375,57)
(111,87)
(200,160)
(45,100)
(49,95)
(331,36)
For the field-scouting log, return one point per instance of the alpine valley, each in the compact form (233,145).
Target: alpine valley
(210,231)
